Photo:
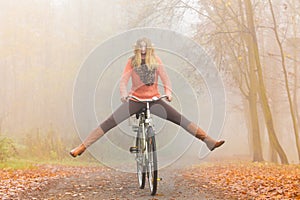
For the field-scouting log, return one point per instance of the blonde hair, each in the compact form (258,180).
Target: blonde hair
(150,59)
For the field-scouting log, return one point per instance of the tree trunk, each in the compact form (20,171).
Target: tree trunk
(252,100)
(295,100)
(262,90)
(252,96)
(287,87)
(273,154)
(295,52)
(257,149)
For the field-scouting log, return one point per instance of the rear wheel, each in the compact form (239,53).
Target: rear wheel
(152,161)
(141,168)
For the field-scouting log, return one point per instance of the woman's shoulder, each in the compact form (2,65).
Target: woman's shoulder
(131,57)
(130,61)
(158,59)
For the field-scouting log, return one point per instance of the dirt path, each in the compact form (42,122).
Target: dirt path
(105,183)
(222,180)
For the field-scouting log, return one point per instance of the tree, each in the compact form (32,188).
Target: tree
(287,86)
(262,90)
(232,42)
(228,25)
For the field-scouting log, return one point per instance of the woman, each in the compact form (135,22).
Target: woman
(144,68)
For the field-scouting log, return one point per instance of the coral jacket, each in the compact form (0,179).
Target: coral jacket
(139,88)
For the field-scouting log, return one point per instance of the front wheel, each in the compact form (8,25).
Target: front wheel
(141,174)
(152,161)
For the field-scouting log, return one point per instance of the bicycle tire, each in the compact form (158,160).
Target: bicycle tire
(152,170)
(141,169)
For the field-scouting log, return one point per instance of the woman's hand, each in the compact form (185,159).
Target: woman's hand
(169,98)
(124,99)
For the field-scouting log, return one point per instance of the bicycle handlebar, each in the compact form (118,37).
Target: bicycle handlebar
(147,100)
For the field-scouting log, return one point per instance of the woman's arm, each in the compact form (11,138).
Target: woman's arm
(165,79)
(124,80)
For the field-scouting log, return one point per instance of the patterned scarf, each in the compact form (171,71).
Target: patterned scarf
(146,75)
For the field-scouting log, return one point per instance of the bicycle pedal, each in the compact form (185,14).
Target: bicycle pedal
(133,150)
(159,179)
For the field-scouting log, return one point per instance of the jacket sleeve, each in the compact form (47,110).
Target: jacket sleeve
(164,78)
(125,78)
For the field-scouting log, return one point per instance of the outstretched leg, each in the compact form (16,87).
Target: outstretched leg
(91,138)
(120,114)
(166,111)
(200,134)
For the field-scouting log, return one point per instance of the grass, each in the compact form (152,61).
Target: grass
(21,163)
(14,163)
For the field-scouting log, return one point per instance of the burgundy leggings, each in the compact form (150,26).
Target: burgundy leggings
(159,108)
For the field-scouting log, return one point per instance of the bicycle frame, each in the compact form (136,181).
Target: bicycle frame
(147,158)
(146,120)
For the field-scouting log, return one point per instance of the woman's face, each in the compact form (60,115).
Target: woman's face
(143,47)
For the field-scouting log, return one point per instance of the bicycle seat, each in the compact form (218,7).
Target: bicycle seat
(139,112)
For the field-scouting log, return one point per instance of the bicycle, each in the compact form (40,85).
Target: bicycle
(145,149)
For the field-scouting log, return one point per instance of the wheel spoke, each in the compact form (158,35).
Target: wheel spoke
(139,160)
(152,162)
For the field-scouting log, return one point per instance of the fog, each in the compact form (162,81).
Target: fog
(45,43)
(43,46)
